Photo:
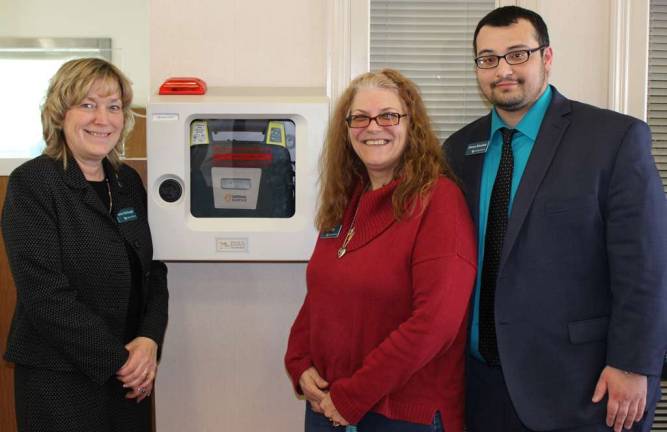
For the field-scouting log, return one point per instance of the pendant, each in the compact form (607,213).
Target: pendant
(342,251)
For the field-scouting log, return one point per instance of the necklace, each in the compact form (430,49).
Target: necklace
(350,233)
(109,192)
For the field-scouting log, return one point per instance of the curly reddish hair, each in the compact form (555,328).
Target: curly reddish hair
(420,165)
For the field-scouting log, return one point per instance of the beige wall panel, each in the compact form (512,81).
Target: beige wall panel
(239,42)
(579,33)
(222,367)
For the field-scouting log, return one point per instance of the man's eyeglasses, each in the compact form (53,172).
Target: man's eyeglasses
(384,119)
(512,58)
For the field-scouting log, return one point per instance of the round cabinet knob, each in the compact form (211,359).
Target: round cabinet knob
(170,190)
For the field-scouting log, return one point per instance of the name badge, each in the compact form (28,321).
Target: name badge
(332,233)
(477,148)
(126,215)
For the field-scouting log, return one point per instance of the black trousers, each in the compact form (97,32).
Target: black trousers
(55,401)
(371,422)
(490,409)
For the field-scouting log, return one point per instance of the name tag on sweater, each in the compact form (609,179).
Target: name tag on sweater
(126,215)
(332,233)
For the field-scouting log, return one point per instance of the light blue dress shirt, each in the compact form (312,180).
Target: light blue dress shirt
(522,144)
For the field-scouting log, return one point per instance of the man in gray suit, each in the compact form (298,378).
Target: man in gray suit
(569,317)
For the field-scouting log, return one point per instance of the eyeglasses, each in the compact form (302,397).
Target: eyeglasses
(384,119)
(512,58)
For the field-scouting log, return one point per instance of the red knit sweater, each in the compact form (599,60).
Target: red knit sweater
(385,325)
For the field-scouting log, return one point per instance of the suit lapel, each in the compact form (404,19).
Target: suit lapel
(122,199)
(130,230)
(74,178)
(118,189)
(551,133)
(472,168)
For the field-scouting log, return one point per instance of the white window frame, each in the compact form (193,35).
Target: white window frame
(348,49)
(348,41)
(45,48)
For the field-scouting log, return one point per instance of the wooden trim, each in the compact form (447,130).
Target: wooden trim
(139,165)
(135,145)
(7,305)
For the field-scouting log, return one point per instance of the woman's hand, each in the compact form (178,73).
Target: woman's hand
(140,369)
(330,411)
(140,393)
(313,385)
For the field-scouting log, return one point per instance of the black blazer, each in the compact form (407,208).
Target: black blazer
(71,268)
(582,281)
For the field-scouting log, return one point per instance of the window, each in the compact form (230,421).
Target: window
(430,41)
(657,119)
(26,65)
(657,84)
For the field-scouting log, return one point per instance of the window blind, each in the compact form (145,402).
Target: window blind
(430,41)
(657,89)
(657,120)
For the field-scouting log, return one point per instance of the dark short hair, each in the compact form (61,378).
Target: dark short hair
(508,15)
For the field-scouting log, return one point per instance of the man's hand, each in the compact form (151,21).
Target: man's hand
(627,397)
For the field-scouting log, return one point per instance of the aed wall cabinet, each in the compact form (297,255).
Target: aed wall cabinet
(233,174)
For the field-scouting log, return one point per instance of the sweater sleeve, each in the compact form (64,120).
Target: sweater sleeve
(30,230)
(443,273)
(297,358)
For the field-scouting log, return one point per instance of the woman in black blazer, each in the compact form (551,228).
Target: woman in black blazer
(91,307)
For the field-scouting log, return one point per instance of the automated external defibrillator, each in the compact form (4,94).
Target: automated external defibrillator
(242,168)
(232,172)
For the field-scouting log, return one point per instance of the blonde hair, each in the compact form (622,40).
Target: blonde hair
(68,87)
(420,165)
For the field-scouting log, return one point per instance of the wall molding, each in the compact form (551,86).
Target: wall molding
(628,56)
(619,46)
(338,47)
(347,44)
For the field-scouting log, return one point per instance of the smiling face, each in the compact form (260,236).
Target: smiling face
(93,126)
(379,147)
(513,88)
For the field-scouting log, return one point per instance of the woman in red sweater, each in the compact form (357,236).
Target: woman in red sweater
(379,341)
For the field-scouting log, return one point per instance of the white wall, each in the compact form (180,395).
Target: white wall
(589,38)
(124,21)
(239,43)
(579,33)
(222,368)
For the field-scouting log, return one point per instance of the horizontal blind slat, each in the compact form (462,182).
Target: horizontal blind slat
(657,117)
(430,41)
